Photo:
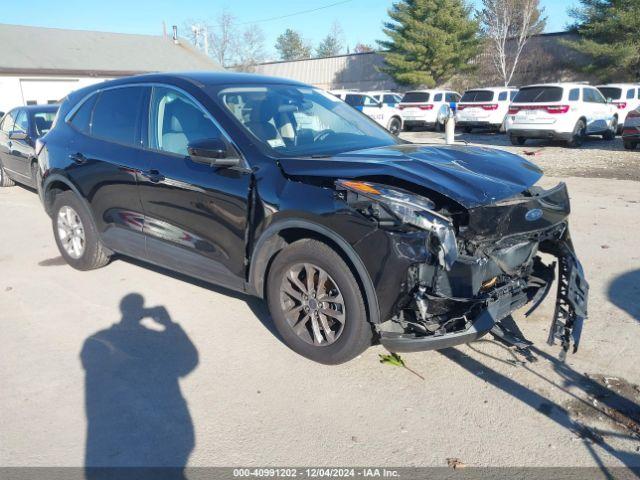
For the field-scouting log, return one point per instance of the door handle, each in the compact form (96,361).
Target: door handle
(153,176)
(78,158)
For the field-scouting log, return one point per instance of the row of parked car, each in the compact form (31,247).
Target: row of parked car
(559,111)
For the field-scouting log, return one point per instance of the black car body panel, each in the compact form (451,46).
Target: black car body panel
(225,224)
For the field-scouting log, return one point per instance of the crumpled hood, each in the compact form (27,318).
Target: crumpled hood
(471,176)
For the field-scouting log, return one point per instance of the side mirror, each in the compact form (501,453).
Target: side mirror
(18,135)
(213,152)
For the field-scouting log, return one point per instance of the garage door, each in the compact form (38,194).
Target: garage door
(43,91)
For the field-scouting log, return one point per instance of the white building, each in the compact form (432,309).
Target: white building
(42,65)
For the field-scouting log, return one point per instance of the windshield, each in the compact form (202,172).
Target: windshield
(415,97)
(302,121)
(477,96)
(538,94)
(611,92)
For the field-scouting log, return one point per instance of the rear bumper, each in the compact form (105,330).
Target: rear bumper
(541,134)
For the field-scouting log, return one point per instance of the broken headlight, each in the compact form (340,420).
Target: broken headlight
(413,210)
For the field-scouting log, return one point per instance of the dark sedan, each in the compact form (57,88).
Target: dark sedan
(19,130)
(631,132)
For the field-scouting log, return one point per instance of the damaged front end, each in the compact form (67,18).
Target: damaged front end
(477,265)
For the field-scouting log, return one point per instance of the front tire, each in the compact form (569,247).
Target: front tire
(5,181)
(76,235)
(613,130)
(316,303)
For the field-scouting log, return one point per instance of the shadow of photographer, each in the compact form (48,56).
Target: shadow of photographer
(136,414)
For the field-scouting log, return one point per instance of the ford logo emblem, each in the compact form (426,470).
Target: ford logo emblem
(533,215)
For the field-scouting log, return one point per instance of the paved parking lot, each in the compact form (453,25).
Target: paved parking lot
(212,385)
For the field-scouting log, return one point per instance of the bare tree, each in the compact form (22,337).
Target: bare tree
(222,40)
(250,51)
(507,26)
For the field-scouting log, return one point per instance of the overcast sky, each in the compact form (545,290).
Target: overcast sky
(361,20)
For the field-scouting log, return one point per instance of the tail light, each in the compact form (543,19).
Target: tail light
(491,106)
(421,107)
(548,108)
(461,106)
(426,107)
(39,146)
(620,105)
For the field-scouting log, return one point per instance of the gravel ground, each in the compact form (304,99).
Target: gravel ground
(595,159)
(220,389)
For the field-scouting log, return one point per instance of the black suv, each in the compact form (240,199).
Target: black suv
(278,189)
(19,131)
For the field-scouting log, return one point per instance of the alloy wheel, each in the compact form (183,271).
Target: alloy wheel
(71,232)
(312,304)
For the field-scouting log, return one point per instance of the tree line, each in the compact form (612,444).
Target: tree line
(427,42)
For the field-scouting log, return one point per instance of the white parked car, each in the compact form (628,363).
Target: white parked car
(625,96)
(386,115)
(564,111)
(427,108)
(484,108)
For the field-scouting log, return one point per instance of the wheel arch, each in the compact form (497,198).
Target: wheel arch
(55,184)
(281,234)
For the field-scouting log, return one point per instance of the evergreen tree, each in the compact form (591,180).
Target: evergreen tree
(429,41)
(291,46)
(610,37)
(332,43)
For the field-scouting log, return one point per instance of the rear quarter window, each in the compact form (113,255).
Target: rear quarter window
(81,120)
(502,96)
(437,97)
(574,94)
(539,95)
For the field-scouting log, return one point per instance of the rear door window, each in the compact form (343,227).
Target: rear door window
(117,113)
(538,95)
(415,97)
(477,96)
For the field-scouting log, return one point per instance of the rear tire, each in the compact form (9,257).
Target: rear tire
(75,233)
(579,134)
(293,305)
(630,145)
(519,141)
(5,181)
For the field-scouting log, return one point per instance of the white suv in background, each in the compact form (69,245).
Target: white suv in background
(625,96)
(484,108)
(564,111)
(386,115)
(426,108)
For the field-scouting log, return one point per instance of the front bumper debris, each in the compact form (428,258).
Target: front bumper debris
(571,303)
